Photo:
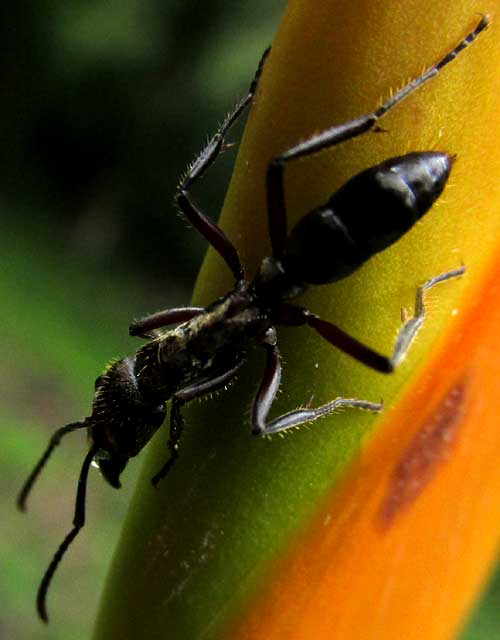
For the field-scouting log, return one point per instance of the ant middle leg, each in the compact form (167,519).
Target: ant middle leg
(276,207)
(208,229)
(293,315)
(269,388)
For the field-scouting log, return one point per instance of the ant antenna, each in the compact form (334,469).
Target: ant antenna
(54,441)
(78,522)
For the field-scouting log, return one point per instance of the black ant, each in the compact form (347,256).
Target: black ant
(204,352)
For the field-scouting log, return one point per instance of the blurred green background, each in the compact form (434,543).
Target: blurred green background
(103,105)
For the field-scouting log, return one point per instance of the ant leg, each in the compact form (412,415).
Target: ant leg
(175,432)
(54,441)
(209,154)
(78,523)
(293,315)
(267,392)
(161,319)
(276,206)
(176,419)
(413,325)
(208,229)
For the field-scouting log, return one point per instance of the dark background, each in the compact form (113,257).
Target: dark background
(102,106)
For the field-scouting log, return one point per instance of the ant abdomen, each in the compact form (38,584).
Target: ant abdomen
(368,213)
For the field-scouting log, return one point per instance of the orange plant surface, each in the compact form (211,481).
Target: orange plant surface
(402,549)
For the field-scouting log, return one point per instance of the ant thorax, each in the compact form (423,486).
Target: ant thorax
(204,347)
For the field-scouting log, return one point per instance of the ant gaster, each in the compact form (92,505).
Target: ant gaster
(204,352)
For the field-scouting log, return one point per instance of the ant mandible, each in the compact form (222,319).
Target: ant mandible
(204,352)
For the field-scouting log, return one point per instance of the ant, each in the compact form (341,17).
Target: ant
(203,353)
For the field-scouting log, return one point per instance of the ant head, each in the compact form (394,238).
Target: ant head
(122,420)
(121,423)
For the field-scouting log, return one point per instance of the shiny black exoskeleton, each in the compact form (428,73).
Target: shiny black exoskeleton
(366,215)
(209,345)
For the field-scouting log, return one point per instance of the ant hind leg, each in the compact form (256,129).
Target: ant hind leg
(276,207)
(292,315)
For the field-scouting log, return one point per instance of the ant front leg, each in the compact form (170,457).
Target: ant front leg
(176,419)
(143,327)
(292,315)
(209,230)
(269,388)
(276,207)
